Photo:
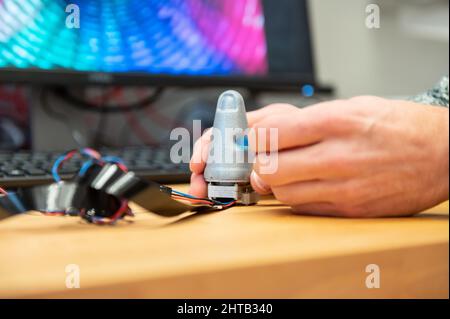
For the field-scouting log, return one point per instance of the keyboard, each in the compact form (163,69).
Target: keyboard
(34,168)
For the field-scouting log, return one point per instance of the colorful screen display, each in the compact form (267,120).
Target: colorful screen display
(173,37)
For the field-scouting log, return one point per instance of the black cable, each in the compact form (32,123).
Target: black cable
(102,121)
(75,134)
(64,93)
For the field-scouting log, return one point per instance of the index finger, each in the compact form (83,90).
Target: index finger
(201,146)
(299,128)
(254,117)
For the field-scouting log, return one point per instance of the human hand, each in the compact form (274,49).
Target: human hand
(199,158)
(362,157)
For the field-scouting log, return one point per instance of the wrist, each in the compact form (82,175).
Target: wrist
(443,157)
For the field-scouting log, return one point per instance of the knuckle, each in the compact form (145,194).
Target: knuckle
(282,195)
(329,120)
(269,179)
(270,171)
(341,124)
(256,128)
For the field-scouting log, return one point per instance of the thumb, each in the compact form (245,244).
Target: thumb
(259,185)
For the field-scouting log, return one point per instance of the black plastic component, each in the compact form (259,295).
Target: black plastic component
(166,189)
(148,195)
(56,197)
(106,177)
(10,205)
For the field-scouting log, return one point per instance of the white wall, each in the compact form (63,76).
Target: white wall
(393,60)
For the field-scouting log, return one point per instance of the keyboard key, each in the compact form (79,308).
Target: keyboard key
(35,172)
(16,173)
(148,163)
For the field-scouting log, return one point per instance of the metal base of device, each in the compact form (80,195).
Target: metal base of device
(243,193)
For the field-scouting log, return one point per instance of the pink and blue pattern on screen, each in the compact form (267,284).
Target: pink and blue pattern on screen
(175,37)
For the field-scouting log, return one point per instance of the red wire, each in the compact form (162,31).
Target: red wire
(2,191)
(229,205)
(95,154)
(155,116)
(141,132)
(68,156)
(19,107)
(134,123)
(201,201)
(192,200)
(18,96)
(122,210)
(90,151)
(122,167)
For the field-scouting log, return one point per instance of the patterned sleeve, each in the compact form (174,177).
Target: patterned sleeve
(438,95)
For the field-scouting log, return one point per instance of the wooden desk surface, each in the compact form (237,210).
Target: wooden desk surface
(255,252)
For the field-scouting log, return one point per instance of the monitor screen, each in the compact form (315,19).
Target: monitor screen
(113,40)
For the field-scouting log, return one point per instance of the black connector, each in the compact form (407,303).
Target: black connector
(148,195)
(10,205)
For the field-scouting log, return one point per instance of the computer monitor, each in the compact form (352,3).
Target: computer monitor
(251,43)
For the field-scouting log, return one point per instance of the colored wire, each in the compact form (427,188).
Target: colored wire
(115,160)
(85,167)
(95,157)
(2,191)
(88,164)
(120,212)
(123,211)
(88,152)
(91,153)
(134,123)
(59,161)
(106,159)
(182,194)
(188,197)
(193,201)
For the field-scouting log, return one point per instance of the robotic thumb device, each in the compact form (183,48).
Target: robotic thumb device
(228,167)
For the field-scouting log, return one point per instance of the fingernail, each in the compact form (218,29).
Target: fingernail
(261,186)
